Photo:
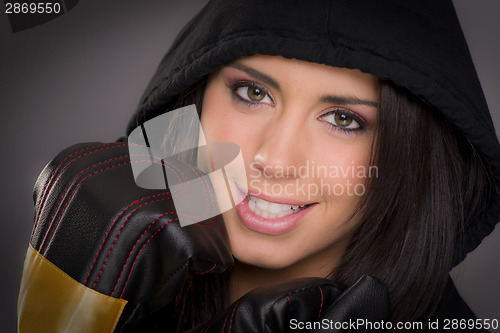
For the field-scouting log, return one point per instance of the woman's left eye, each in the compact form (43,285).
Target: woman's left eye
(343,120)
(252,93)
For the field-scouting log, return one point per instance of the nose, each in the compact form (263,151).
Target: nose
(280,152)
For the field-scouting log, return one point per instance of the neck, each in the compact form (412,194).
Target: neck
(245,277)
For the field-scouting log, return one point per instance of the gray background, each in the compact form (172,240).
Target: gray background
(78,78)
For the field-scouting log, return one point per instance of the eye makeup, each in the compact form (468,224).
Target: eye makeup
(250,93)
(356,123)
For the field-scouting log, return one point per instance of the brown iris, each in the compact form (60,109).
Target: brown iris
(255,94)
(343,120)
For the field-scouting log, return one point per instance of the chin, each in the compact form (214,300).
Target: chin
(262,254)
(264,261)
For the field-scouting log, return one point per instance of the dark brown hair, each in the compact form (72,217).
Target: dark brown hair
(431,184)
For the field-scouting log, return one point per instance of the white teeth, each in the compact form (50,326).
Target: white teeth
(271,210)
(251,204)
(275,208)
(262,204)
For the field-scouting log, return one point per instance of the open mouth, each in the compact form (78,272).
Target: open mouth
(271,210)
(274,216)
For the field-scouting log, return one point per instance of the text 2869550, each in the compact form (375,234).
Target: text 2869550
(32,7)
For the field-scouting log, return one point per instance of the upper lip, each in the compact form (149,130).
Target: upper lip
(279,200)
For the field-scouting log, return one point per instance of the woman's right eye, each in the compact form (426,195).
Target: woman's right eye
(252,93)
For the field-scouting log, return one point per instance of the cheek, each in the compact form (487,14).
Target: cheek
(221,122)
(343,170)
(218,119)
(346,159)
(219,127)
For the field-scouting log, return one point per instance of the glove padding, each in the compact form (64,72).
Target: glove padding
(93,222)
(289,306)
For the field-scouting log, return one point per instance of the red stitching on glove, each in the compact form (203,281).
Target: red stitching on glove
(133,247)
(205,272)
(321,306)
(137,256)
(118,234)
(44,194)
(289,302)
(123,225)
(232,316)
(114,222)
(64,194)
(43,198)
(110,145)
(140,237)
(45,191)
(225,322)
(74,179)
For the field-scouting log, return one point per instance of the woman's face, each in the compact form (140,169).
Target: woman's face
(306,132)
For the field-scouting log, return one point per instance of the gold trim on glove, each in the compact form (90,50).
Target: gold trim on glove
(51,301)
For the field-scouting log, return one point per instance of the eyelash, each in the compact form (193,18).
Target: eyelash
(359,121)
(248,84)
(251,84)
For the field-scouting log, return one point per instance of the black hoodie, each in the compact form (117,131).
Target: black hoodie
(417,44)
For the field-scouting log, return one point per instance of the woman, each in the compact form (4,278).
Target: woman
(349,84)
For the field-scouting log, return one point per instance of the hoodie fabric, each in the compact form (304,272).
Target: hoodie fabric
(417,44)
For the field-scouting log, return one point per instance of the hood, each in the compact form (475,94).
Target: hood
(417,44)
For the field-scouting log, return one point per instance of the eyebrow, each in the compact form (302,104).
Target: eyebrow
(256,74)
(339,100)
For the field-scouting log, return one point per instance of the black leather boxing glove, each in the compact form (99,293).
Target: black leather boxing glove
(106,255)
(306,305)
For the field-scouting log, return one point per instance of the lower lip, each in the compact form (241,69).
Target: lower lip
(276,226)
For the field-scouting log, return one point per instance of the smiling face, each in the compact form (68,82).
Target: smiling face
(306,133)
